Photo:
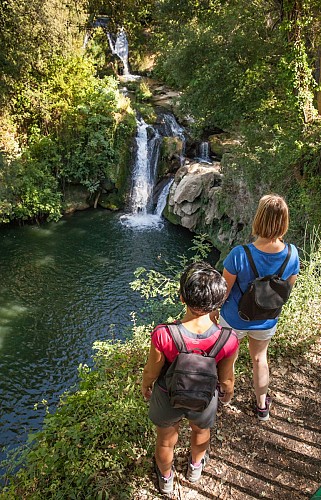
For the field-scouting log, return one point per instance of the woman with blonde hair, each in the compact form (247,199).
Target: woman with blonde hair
(269,252)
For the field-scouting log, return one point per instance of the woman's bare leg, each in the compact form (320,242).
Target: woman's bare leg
(200,440)
(164,453)
(258,352)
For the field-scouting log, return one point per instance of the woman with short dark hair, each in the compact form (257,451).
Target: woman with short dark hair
(202,289)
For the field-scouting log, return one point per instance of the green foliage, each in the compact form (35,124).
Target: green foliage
(299,324)
(99,436)
(161,291)
(143,92)
(100,439)
(224,62)
(31,34)
(28,191)
(250,68)
(77,129)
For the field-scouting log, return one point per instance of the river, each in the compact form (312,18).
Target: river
(63,286)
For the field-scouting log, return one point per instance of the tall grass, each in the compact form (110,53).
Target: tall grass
(300,322)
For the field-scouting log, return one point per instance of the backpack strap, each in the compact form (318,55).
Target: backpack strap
(177,337)
(251,261)
(253,266)
(220,342)
(287,258)
(181,346)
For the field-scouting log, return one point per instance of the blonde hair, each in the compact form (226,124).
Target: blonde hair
(272,217)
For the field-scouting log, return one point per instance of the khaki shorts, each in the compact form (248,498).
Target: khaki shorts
(163,414)
(254,334)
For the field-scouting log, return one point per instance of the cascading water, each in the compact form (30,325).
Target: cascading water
(86,39)
(120,49)
(204,156)
(145,168)
(148,142)
(162,199)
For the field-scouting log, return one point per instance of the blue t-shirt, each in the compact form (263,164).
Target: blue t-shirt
(266,263)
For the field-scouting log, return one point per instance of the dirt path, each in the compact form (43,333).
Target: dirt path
(278,459)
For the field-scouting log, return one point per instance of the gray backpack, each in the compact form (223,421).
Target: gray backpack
(191,379)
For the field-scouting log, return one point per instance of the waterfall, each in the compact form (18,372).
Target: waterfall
(204,156)
(120,48)
(162,199)
(86,39)
(148,142)
(145,168)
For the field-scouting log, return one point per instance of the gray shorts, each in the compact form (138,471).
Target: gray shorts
(163,414)
(254,334)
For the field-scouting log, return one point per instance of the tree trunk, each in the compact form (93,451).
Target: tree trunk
(96,199)
(318,78)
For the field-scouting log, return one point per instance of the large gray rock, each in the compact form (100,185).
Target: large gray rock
(202,200)
(192,184)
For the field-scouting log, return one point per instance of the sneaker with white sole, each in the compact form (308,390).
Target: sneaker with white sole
(166,485)
(193,473)
(221,395)
(263,414)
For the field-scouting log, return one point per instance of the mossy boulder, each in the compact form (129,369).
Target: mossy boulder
(110,201)
(222,143)
(76,197)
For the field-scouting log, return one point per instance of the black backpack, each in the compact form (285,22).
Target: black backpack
(265,295)
(192,377)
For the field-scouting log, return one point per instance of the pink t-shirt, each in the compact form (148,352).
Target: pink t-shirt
(162,340)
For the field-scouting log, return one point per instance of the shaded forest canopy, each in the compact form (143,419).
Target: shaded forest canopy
(249,68)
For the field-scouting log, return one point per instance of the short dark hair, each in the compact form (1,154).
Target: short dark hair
(202,287)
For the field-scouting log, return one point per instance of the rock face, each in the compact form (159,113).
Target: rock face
(204,202)
(192,185)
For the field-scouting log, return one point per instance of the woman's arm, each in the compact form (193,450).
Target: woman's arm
(230,280)
(292,279)
(153,367)
(225,369)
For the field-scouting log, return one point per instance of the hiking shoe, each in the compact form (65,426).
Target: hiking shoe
(264,413)
(166,485)
(193,473)
(221,395)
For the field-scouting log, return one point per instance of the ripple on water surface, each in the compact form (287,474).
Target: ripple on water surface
(65,285)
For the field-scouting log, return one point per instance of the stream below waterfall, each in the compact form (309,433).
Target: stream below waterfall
(65,285)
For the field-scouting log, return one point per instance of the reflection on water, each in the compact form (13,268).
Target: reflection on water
(63,286)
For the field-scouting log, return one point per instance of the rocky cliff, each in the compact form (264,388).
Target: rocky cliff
(204,201)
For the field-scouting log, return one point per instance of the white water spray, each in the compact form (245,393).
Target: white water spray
(204,153)
(162,199)
(148,142)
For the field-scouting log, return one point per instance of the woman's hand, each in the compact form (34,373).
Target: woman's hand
(152,369)
(214,316)
(147,392)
